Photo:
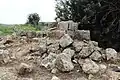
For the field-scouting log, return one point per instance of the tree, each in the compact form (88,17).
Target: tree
(108,21)
(76,9)
(33,19)
(102,17)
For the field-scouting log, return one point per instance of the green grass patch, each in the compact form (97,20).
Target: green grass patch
(5,30)
(24,28)
(9,29)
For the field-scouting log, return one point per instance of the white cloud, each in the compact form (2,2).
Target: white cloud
(16,11)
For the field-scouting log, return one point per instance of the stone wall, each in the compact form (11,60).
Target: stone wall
(71,28)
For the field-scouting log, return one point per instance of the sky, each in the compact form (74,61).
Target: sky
(16,11)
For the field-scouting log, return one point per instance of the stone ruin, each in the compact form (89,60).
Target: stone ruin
(72,46)
(67,46)
(64,47)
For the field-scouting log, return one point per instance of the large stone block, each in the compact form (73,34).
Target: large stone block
(90,67)
(57,34)
(65,41)
(82,35)
(67,25)
(63,62)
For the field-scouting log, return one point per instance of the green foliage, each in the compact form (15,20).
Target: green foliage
(33,19)
(108,22)
(24,27)
(102,17)
(76,10)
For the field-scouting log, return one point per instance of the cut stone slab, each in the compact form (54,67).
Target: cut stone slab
(67,25)
(65,41)
(56,34)
(82,35)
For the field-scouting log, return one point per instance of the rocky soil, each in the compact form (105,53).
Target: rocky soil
(56,55)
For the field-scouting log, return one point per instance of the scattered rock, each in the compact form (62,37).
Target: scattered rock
(96,56)
(78,45)
(24,69)
(54,70)
(65,41)
(113,66)
(55,78)
(90,67)
(82,78)
(63,62)
(24,79)
(21,33)
(39,34)
(53,47)
(74,61)
(8,41)
(104,77)
(21,53)
(4,56)
(42,47)
(44,55)
(50,41)
(84,52)
(49,61)
(100,50)
(34,48)
(87,49)
(113,75)
(2,46)
(31,34)
(36,39)
(103,68)
(94,43)
(90,77)
(69,51)
(81,62)
(91,46)
(5,74)
(111,54)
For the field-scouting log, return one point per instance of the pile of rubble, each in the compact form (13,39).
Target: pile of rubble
(71,46)
(62,49)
